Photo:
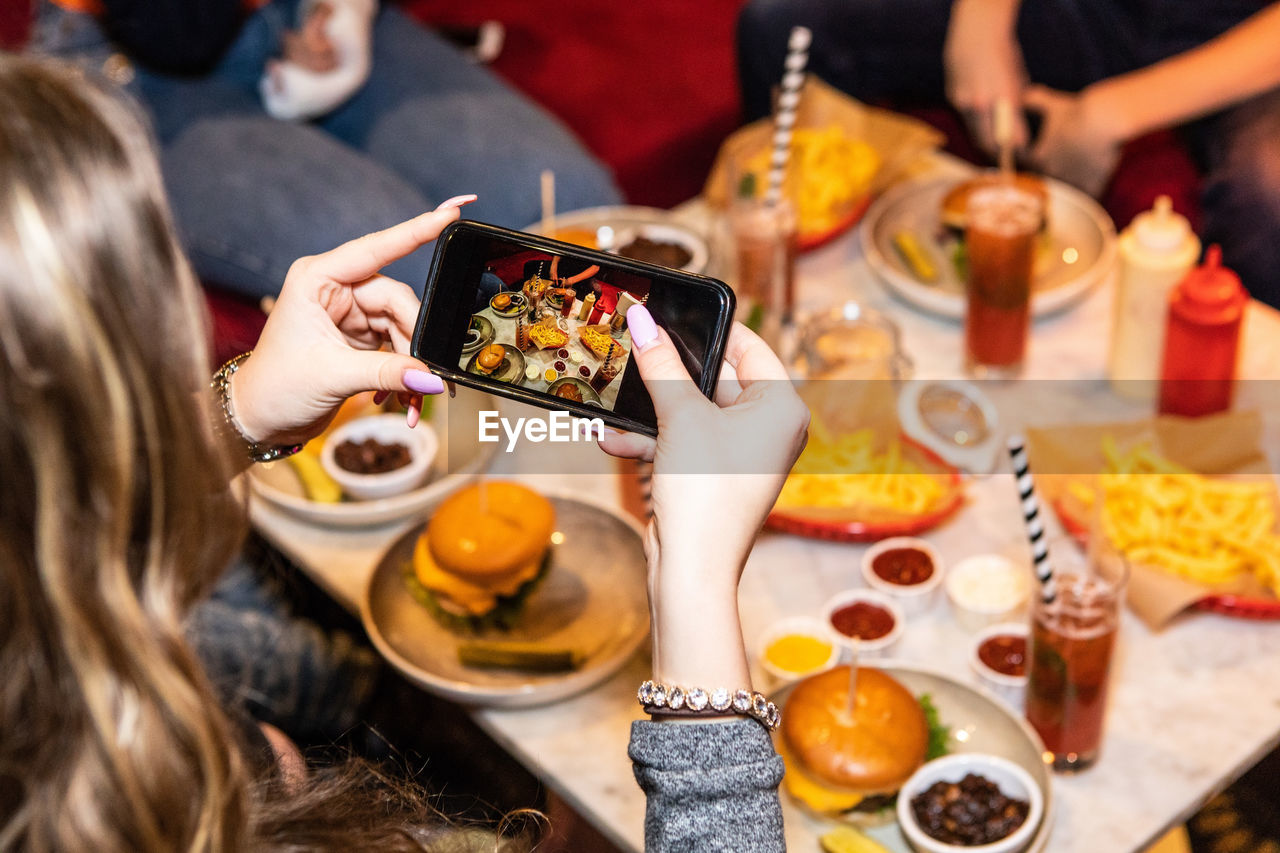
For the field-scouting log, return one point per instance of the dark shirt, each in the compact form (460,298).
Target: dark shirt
(185,37)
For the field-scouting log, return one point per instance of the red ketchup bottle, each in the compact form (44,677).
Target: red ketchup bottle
(1202,340)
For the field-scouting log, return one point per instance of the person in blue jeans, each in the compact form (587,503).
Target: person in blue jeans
(252,193)
(1098,72)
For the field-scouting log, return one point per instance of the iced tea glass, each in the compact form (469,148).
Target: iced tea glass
(1072,640)
(1000,240)
(764,239)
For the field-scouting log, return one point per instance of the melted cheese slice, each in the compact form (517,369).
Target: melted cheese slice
(475,599)
(805,790)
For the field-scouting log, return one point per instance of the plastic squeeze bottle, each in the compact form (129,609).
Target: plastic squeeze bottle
(1156,251)
(1202,340)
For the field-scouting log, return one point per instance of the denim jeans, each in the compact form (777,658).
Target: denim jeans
(891,50)
(251,194)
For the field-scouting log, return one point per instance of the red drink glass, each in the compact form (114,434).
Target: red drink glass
(1070,654)
(764,237)
(1000,239)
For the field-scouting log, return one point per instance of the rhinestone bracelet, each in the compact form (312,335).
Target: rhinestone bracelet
(670,700)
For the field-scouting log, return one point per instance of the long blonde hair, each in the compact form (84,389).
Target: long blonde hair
(115,514)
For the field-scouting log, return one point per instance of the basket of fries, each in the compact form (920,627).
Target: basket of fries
(1190,503)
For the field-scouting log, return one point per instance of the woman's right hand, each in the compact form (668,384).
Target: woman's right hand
(984,65)
(718,468)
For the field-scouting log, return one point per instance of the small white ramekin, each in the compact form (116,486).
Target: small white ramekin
(388,429)
(879,647)
(914,598)
(1010,688)
(1012,779)
(796,625)
(972,610)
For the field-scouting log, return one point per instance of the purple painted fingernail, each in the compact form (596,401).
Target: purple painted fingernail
(413,414)
(457,201)
(643,330)
(423,382)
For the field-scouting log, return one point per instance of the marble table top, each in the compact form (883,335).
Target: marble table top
(1192,706)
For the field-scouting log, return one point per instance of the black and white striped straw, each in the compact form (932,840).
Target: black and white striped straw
(788,102)
(1031,515)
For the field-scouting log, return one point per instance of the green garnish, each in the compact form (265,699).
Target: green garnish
(960,260)
(939,734)
(747,185)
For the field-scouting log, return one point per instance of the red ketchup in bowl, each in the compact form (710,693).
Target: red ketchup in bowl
(1005,653)
(863,620)
(903,566)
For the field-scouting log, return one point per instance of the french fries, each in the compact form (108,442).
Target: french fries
(830,172)
(846,471)
(1208,530)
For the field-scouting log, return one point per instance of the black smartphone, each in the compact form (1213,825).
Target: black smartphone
(544,322)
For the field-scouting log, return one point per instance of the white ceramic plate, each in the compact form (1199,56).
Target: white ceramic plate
(460,457)
(986,725)
(1081,252)
(629,221)
(593,600)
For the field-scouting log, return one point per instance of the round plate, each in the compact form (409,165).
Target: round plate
(632,219)
(589,395)
(461,456)
(1079,231)
(484,333)
(1228,604)
(511,370)
(989,727)
(839,524)
(518,304)
(593,600)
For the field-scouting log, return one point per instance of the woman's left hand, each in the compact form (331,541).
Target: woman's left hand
(323,341)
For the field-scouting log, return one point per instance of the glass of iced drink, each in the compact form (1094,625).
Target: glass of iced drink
(1072,640)
(764,241)
(1000,239)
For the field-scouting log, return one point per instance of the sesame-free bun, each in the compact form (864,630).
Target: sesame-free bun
(481,534)
(955,204)
(870,751)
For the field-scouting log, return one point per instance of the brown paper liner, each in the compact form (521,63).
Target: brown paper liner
(1221,445)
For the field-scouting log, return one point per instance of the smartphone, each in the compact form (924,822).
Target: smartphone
(544,322)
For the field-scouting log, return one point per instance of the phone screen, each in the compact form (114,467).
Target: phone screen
(545,322)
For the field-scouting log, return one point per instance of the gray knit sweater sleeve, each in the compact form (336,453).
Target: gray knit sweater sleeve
(710,786)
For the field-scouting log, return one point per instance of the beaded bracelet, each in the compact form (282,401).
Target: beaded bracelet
(221,385)
(669,700)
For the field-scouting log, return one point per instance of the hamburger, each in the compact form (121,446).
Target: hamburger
(490,357)
(481,554)
(850,765)
(502,301)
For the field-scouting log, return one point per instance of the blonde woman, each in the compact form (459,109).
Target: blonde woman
(116,516)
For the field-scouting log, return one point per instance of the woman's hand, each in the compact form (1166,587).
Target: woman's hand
(322,342)
(984,65)
(1080,137)
(310,46)
(718,468)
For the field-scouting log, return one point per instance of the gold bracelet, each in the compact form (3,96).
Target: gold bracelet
(668,700)
(222,388)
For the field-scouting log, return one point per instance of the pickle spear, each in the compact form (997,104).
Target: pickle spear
(528,657)
(914,256)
